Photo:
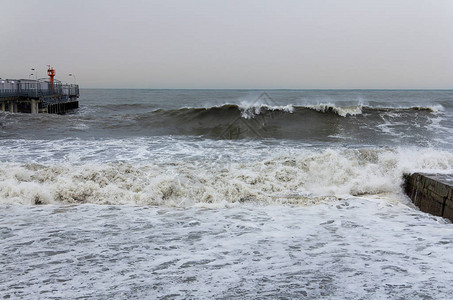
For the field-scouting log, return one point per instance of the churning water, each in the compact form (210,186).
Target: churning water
(225,193)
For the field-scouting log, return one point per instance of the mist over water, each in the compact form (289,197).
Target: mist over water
(150,192)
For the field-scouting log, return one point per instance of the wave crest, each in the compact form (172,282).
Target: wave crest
(299,179)
(249,111)
(341,111)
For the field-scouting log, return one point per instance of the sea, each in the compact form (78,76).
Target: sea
(225,194)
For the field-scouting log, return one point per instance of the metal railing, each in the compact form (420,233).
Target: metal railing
(71,90)
(34,89)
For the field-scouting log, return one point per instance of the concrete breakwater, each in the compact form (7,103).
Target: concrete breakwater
(432,193)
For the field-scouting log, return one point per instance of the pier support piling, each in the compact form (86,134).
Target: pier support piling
(61,108)
(11,105)
(34,106)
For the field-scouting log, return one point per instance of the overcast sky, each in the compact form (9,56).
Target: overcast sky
(231,44)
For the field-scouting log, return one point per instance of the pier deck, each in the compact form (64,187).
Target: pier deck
(37,96)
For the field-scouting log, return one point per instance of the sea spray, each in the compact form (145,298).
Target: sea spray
(301,178)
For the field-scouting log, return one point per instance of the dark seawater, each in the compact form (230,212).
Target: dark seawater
(225,194)
(330,117)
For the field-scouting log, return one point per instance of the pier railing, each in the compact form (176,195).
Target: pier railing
(24,88)
(71,90)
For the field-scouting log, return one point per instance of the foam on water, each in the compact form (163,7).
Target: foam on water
(358,109)
(341,111)
(310,207)
(159,149)
(351,249)
(250,110)
(300,177)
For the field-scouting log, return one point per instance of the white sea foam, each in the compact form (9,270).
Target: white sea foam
(341,111)
(434,108)
(354,110)
(301,178)
(351,249)
(81,126)
(250,110)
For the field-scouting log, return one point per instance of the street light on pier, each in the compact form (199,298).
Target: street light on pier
(36,83)
(73,75)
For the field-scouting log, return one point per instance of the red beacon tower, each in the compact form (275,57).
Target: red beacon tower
(51,73)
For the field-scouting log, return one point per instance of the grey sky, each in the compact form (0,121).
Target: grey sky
(231,44)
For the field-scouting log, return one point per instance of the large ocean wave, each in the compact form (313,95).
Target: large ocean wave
(251,110)
(317,122)
(302,178)
(320,123)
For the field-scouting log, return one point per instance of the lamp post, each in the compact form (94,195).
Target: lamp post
(74,89)
(36,83)
(72,74)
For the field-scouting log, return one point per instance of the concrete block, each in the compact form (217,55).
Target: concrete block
(448,209)
(432,193)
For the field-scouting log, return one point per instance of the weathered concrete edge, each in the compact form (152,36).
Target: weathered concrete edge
(432,193)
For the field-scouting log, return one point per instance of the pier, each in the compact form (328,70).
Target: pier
(432,193)
(38,96)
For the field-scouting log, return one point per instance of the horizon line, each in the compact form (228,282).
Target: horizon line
(274,89)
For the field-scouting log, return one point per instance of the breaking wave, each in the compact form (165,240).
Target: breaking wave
(249,111)
(345,111)
(301,178)
(319,123)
